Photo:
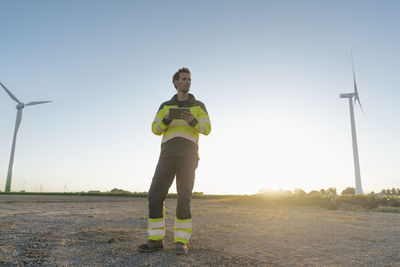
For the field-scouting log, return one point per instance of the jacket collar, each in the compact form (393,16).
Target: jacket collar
(187,102)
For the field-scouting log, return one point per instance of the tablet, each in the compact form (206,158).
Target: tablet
(175,113)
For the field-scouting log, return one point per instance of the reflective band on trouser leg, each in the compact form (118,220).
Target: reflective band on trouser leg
(156,229)
(182,230)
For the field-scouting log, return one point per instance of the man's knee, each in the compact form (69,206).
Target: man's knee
(156,207)
(183,210)
(155,199)
(185,195)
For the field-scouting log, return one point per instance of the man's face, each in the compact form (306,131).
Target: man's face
(184,82)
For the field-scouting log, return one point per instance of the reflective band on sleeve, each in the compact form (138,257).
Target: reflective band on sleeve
(156,232)
(156,224)
(184,225)
(158,128)
(201,126)
(157,122)
(182,234)
(205,120)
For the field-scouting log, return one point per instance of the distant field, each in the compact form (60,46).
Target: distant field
(365,202)
(68,230)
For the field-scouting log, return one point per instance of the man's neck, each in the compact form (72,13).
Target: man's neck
(183,96)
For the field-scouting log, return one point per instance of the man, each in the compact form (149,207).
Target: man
(179,156)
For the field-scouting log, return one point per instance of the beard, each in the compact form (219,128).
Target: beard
(184,90)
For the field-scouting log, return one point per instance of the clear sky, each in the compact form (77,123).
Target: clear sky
(269,72)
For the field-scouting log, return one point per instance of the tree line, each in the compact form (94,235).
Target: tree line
(347,191)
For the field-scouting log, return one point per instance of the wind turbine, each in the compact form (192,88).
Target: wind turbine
(19,108)
(353,129)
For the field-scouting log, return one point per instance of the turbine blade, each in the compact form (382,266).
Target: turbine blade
(10,94)
(37,103)
(357,98)
(359,102)
(354,75)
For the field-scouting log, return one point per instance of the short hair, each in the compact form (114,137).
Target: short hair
(176,75)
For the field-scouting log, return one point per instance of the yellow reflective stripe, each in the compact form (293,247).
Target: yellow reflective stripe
(163,209)
(158,224)
(182,234)
(187,130)
(182,220)
(156,237)
(179,134)
(150,228)
(180,239)
(183,129)
(184,230)
(184,225)
(178,130)
(156,219)
(156,232)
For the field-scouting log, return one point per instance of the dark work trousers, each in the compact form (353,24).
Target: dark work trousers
(184,168)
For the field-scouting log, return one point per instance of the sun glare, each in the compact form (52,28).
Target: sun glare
(285,154)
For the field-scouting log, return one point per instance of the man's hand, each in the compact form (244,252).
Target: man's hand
(187,116)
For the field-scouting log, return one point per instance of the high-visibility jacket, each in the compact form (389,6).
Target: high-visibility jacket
(179,137)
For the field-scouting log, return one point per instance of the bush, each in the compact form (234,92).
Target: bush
(349,191)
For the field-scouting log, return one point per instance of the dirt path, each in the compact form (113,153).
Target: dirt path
(104,231)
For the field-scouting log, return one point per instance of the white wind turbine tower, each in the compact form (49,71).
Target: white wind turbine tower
(353,130)
(19,108)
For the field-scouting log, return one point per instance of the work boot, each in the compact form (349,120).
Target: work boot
(151,245)
(180,248)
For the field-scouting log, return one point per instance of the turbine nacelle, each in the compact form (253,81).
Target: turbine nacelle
(20,106)
(348,95)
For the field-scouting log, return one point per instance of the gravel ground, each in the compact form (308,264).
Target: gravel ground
(104,231)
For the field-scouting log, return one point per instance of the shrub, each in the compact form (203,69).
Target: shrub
(349,191)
